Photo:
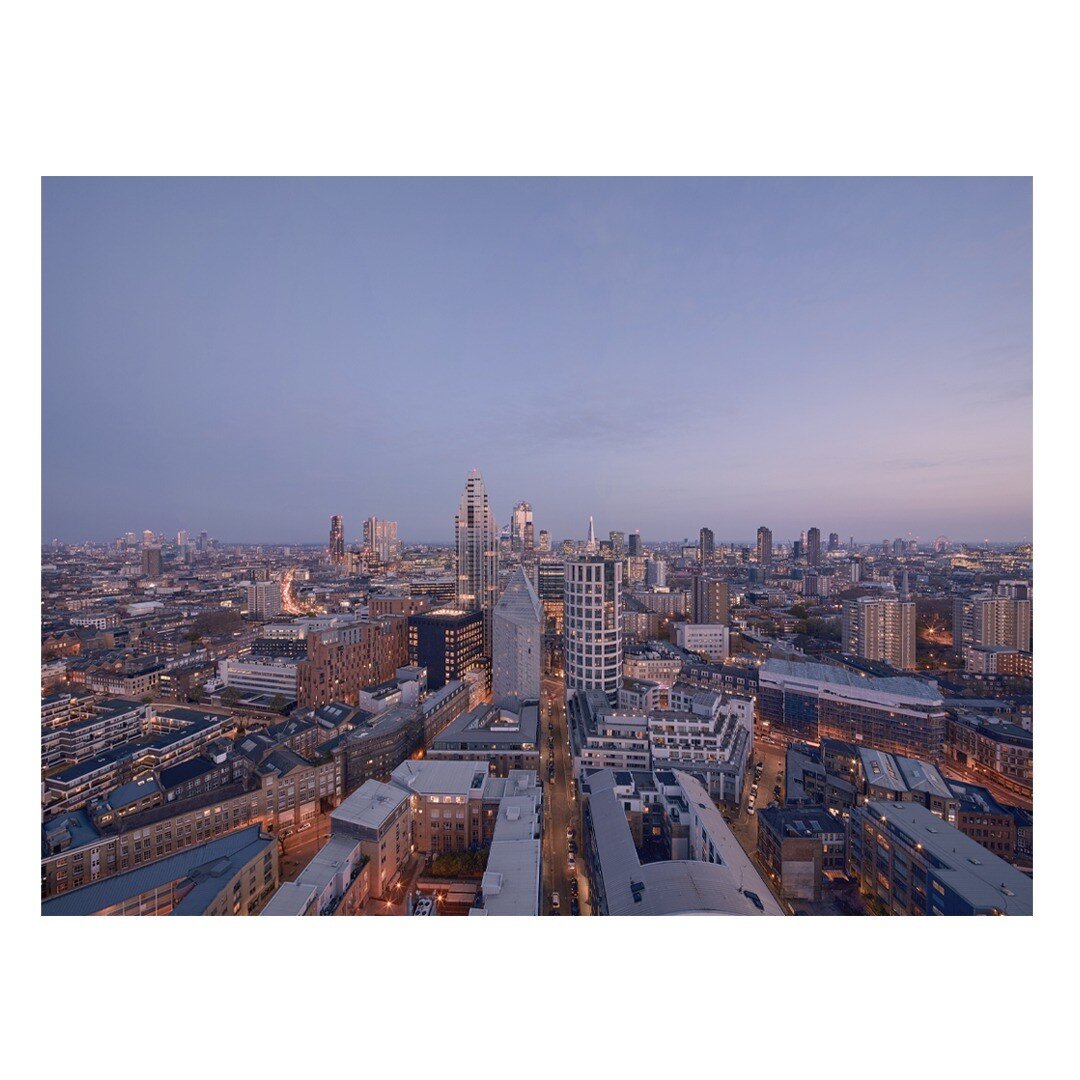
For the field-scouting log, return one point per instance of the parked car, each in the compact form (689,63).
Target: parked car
(575,907)
(573,886)
(571,860)
(555,900)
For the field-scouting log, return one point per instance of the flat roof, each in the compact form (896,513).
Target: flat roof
(291,899)
(370,805)
(511,882)
(903,686)
(440,777)
(488,724)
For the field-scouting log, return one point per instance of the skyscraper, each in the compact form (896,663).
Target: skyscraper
(591,547)
(764,545)
(813,546)
(592,625)
(706,545)
(880,628)
(380,538)
(521,529)
(545,540)
(834,541)
(151,562)
(475,537)
(337,540)
(618,543)
(517,631)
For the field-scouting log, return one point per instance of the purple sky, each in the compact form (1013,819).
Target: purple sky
(250,356)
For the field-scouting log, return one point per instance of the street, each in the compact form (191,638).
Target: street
(301,845)
(744,825)
(561,808)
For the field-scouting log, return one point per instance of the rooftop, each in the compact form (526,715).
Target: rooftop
(983,879)
(903,686)
(370,805)
(208,866)
(440,777)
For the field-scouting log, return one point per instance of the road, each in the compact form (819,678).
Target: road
(744,825)
(561,807)
(289,605)
(301,846)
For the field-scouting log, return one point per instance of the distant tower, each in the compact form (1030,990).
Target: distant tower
(706,545)
(764,545)
(590,545)
(521,529)
(151,562)
(337,540)
(545,540)
(476,539)
(634,542)
(813,546)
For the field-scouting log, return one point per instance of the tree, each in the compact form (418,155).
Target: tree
(230,695)
(278,703)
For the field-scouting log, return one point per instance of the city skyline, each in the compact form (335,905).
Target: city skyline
(854,354)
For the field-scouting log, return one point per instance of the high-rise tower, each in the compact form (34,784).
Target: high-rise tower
(764,545)
(521,529)
(590,545)
(337,540)
(592,627)
(706,545)
(476,538)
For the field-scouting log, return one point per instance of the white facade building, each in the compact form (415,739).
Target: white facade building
(711,640)
(708,734)
(271,675)
(592,625)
